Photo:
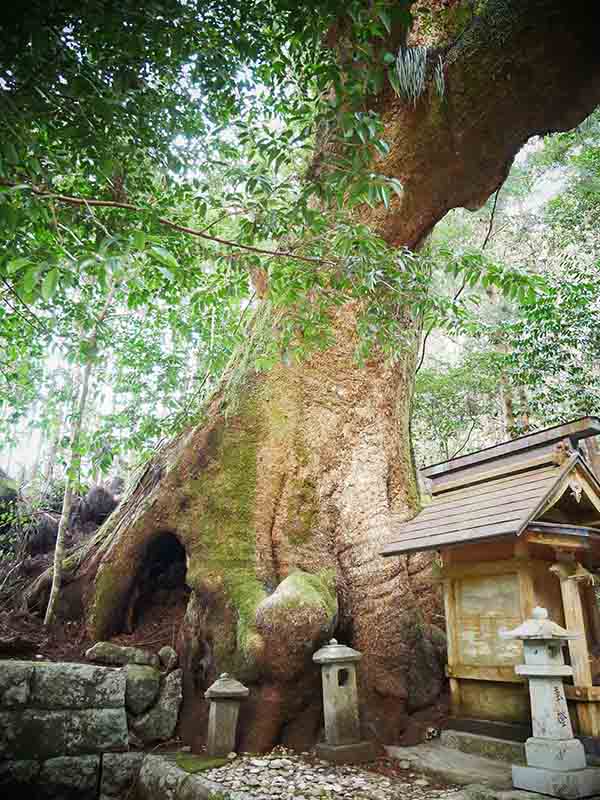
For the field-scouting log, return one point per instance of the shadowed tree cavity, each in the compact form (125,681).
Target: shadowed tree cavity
(160,579)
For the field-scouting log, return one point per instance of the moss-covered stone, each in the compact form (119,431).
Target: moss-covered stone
(15,683)
(71,686)
(119,655)
(41,734)
(16,777)
(295,619)
(119,771)
(70,777)
(142,687)
(158,724)
(160,779)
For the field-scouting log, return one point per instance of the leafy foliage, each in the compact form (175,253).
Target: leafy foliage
(539,342)
(456,407)
(161,156)
(167,158)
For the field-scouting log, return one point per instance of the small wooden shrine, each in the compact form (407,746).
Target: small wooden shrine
(516,526)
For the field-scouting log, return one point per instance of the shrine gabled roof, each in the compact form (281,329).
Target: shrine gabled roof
(506,454)
(494,505)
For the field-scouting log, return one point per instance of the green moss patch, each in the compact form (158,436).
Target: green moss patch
(303,510)
(218,528)
(110,583)
(301,589)
(8,489)
(316,589)
(193,764)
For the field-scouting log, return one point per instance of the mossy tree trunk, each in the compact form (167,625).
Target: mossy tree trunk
(282,506)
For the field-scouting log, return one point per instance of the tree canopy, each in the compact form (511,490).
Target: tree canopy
(167,156)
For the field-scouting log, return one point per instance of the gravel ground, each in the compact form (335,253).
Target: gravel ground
(283,775)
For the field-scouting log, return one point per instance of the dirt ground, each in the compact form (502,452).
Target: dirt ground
(22,635)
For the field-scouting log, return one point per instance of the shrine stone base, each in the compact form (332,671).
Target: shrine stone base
(558,754)
(347,753)
(570,785)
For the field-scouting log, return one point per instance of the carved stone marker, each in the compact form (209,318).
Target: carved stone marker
(556,762)
(225,697)
(340,706)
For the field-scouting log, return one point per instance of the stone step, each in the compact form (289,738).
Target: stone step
(476,744)
(453,766)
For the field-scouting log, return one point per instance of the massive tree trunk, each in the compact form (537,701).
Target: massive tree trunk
(283,501)
(297,480)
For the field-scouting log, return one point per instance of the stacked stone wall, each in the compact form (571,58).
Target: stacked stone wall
(63,732)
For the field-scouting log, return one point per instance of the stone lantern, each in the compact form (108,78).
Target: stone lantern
(225,696)
(340,705)
(556,763)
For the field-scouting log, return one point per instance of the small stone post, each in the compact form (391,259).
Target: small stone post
(340,706)
(225,696)
(556,763)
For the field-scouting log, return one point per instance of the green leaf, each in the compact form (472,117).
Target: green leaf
(16,188)
(30,279)
(385,17)
(385,195)
(393,78)
(50,283)
(396,185)
(10,152)
(382,147)
(139,240)
(15,265)
(166,258)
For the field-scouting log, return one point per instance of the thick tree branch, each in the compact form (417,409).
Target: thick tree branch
(90,202)
(523,68)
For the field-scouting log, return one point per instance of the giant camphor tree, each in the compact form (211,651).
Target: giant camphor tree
(282,492)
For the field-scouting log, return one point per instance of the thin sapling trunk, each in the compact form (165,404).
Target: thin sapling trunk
(72,479)
(73,468)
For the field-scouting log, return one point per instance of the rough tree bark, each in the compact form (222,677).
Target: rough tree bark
(283,504)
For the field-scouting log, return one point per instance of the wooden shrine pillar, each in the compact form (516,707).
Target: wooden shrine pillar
(593,615)
(451,634)
(588,713)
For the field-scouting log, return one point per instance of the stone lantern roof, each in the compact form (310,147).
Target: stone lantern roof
(539,627)
(334,653)
(226,687)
